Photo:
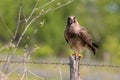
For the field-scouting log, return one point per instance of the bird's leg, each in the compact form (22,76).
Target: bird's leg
(74,54)
(77,54)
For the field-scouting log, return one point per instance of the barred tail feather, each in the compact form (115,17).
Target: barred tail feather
(93,47)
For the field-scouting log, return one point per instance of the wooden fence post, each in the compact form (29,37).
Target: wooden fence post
(74,67)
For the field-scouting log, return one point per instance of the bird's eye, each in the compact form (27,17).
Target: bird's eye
(68,18)
(74,18)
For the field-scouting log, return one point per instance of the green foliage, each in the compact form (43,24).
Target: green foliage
(100,17)
(113,49)
(44,51)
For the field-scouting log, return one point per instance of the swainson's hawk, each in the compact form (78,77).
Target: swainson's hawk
(78,37)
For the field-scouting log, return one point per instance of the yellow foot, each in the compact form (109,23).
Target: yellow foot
(77,55)
(74,54)
(80,55)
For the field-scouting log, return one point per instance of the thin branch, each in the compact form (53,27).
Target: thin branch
(35,74)
(40,14)
(4,47)
(66,3)
(13,70)
(26,74)
(22,76)
(60,70)
(7,64)
(21,36)
(34,9)
(25,67)
(46,4)
(18,23)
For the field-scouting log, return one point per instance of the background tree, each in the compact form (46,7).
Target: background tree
(101,18)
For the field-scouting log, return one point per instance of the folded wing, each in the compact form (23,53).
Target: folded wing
(87,40)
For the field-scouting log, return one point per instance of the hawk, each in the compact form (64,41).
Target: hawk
(78,37)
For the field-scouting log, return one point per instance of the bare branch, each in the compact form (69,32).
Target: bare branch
(25,68)
(23,33)
(36,17)
(18,23)
(46,4)
(22,78)
(35,74)
(13,70)
(68,2)
(60,70)
(34,9)
(4,47)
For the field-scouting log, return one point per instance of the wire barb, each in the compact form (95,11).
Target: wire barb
(63,63)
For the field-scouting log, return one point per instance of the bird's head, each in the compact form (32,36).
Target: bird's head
(72,20)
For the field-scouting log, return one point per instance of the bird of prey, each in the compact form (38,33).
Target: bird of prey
(78,37)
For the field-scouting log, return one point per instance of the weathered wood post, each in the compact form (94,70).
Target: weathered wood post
(74,67)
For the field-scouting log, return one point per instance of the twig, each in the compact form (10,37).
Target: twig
(46,4)
(35,74)
(7,64)
(22,76)
(40,14)
(18,23)
(24,67)
(34,9)
(21,36)
(68,2)
(4,47)
(13,70)
(60,71)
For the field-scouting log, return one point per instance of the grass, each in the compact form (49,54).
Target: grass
(58,72)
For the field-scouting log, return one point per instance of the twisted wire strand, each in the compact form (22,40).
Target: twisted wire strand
(63,63)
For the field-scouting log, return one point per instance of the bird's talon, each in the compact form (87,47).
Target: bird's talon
(73,54)
(80,55)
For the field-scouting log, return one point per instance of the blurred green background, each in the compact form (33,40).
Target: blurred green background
(100,17)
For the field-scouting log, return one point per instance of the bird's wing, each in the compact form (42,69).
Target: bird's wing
(87,39)
(85,36)
(65,36)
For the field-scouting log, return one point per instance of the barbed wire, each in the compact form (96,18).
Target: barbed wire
(35,62)
(101,65)
(63,63)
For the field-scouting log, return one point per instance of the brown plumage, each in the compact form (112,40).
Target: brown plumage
(78,37)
